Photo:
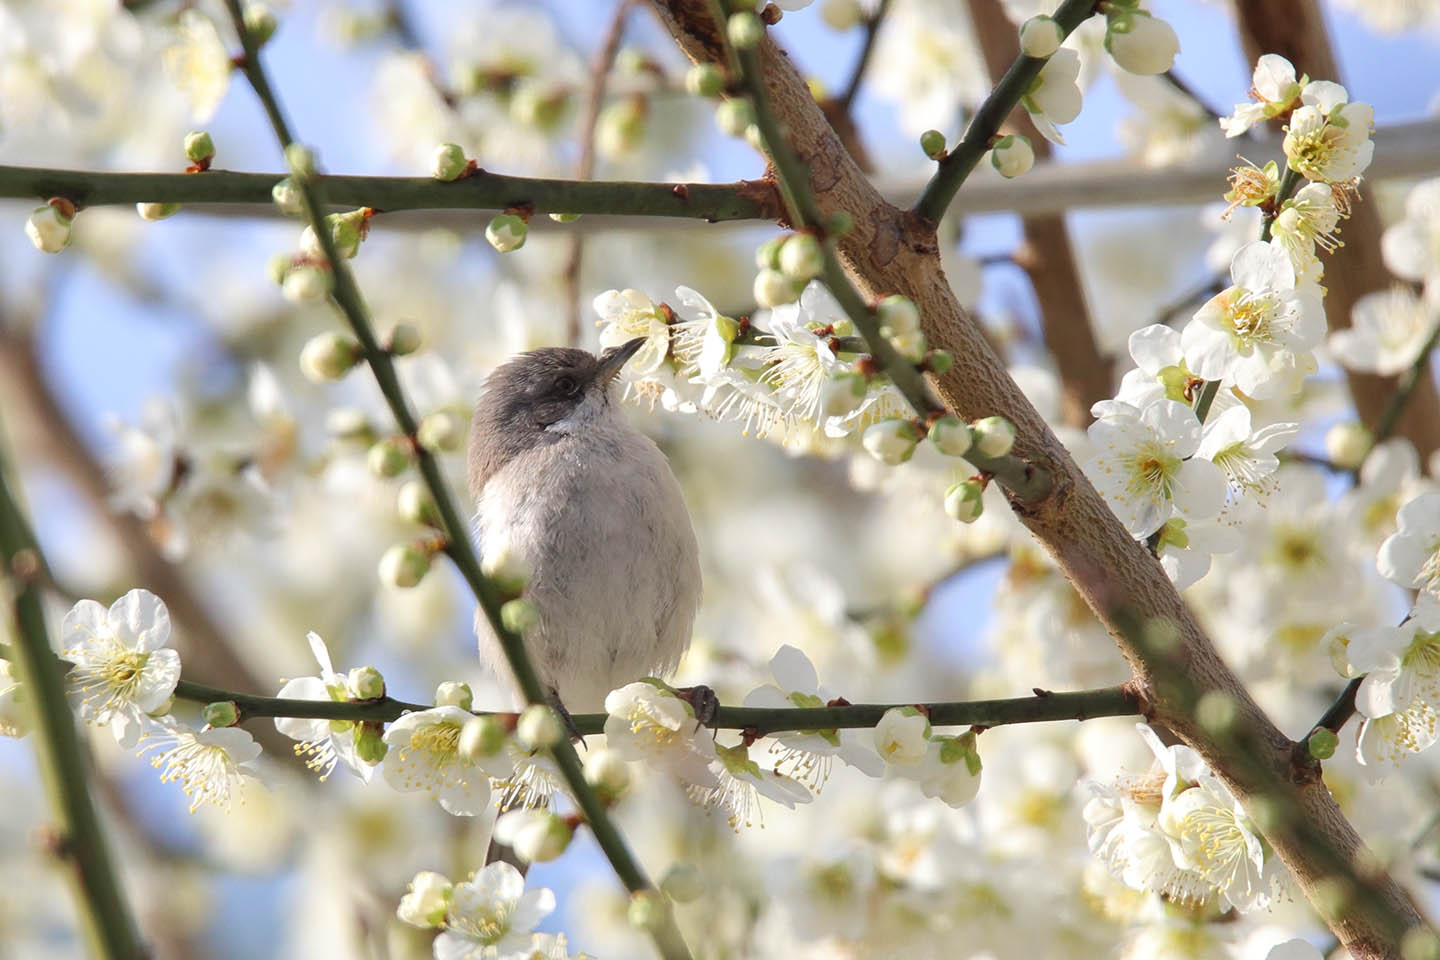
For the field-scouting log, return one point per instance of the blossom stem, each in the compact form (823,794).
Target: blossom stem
(1023,480)
(952,172)
(78,840)
(1395,407)
(867,47)
(1288,181)
(458,546)
(742,200)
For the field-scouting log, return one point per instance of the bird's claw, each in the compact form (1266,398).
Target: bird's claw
(703,701)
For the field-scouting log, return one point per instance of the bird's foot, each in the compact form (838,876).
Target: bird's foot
(703,700)
(565,718)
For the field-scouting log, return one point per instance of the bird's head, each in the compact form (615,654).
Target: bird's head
(537,397)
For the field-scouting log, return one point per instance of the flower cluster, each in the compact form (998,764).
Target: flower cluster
(490,916)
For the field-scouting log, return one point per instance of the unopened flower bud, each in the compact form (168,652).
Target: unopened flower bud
(453,693)
(891,441)
(965,501)
(278,266)
(370,745)
(1322,744)
(1141,43)
(620,128)
(539,105)
(507,232)
(950,436)
(287,197)
(647,909)
(939,362)
(839,224)
(772,289)
(518,615)
(404,565)
(539,727)
(426,902)
(506,568)
(389,457)
(1347,444)
(1040,37)
(260,23)
(705,80)
(564,217)
(898,315)
(735,116)
(842,394)
(536,836)
(49,228)
(199,148)
(440,430)
(933,143)
(347,230)
(841,14)
(306,282)
(328,356)
(1012,155)
(366,683)
(404,339)
(414,503)
(608,773)
(481,737)
(994,436)
(910,345)
(801,258)
(449,162)
(223,713)
(156,211)
(349,423)
(301,161)
(767,255)
(902,736)
(744,29)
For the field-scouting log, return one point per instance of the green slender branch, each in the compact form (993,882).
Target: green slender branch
(1288,181)
(742,200)
(80,843)
(958,164)
(867,47)
(1045,706)
(1024,481)
(1395,407)
(458,547)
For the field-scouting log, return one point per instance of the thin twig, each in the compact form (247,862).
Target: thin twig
(78,841)
(742,200)
(347,297)
(1174,79)
(867,47)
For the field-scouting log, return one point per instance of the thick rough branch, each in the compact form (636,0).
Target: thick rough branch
(895,251)
(742,200)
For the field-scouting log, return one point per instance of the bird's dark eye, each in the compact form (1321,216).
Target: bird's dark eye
(566,385)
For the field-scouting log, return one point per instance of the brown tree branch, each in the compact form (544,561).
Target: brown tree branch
(1295,29)
(894,251)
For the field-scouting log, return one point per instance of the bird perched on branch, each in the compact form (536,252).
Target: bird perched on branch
(589,507)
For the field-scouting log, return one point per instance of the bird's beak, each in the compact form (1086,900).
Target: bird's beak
(616,357)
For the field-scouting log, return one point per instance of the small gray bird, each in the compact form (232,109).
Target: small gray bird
(588,503)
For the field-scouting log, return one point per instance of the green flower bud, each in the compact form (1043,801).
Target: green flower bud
(260,23)
(539,727)
(767,255)
(1348,443)
(49,228)
(348,423)
(507,232)
(842,394)
(744,30)
(277,267)
(891,442)
(994,436)
(842,14)
(1322,744)
(772,288)
(404,565)
(1040,37)
(222,714)
(898,316)
(449,162)
(199,148)
(414,503)
(683,883)
(156,211)
(453,693)
(839,224)
(705,80)
(301,161)
(933,143)
(965,501)
(307,282)
(518,615)
(1012,155)
(735,116)
(508,570)
(801,258)
(389,457)
(287,197)
(328,356)
(370,745)
(939,362)
(404,340)
(440,430)
(608,773)
(481,737)
(950,436)
(366,683)
(647,907)
(564,217)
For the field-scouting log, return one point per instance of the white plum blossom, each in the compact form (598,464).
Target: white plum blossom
(1054,96)
(323,743)
(627,314)
(902,736)
(1141,43)
(801,362)
(1411,555)
(1307,220)
(1259,333)
(703,338)
(1328,138)
(425,903)
(740,782)
(1244,454)
(14,713)
(927,66)
(124,669)
(1146,466)
(144,467)
(424,754)
(1186,546)
(1411,248)
(213,765)
(1390,328)
(1399,698)
(198,63)
(651,724)
(827,898)
(1275,89)
(491,916)
(950,770)
(807,755)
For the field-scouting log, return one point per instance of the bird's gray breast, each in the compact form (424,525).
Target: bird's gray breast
(599,519)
